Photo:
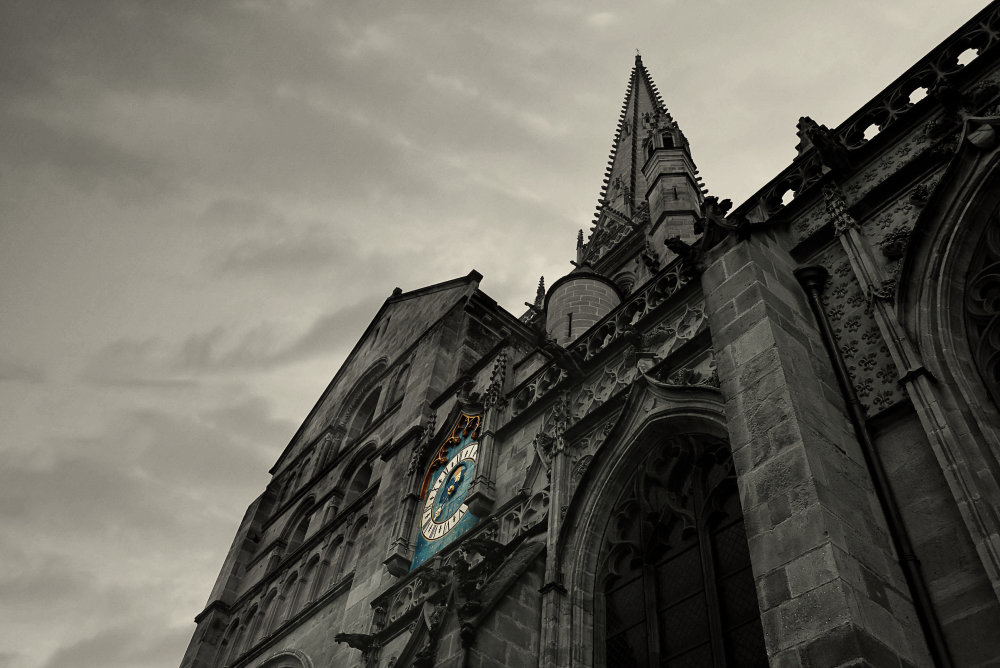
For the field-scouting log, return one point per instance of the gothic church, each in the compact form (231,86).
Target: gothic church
(761,435)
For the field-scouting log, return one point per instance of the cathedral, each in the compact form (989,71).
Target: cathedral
(755,435)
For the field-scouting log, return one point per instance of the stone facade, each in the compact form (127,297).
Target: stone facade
(769,435)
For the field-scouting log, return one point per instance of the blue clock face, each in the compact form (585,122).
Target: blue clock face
(445,507)
(444,515)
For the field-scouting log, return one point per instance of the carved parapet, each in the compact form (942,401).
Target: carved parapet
(939,77)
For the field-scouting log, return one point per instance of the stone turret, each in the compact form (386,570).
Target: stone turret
(674,191)
(576,302)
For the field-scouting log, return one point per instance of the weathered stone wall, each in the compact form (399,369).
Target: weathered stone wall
(825,572)
(960,589)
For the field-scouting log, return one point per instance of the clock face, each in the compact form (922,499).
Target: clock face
(444,507)
(444,515)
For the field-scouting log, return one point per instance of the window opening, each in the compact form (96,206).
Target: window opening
(678,586)
(364,417)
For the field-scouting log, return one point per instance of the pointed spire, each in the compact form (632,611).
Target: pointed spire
(624,186)
(650,176)
(540,292)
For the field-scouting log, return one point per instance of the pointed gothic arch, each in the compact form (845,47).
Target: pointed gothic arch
(267,607)
(297,527)
(356,475)
(360,405)
(225,649)
(946,263)
(287,658)
(674,567)
(657,421)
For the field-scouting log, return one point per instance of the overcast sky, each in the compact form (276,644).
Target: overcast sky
(202,204)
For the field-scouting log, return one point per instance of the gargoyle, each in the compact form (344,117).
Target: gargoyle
(362,641)
(713,225)
(562,357)
(691,256)
(832,153)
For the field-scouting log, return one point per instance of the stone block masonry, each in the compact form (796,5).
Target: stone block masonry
(825,572)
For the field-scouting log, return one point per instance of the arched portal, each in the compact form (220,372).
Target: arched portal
(653,549)
(675,567)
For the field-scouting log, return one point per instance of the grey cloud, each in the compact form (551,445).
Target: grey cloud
(77,494)
(145,643)
(240,213)
(81,157)
(31,580)
(259,349)
(299,251)
(127,45)
(138,363)
(12,370)
(155,363)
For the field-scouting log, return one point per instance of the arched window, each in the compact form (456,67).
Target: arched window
(399,385)
(678,589)
(982,308)
(299,534)
(222,656)
(252,624)
(329,570)
(363,417)
(359,481)
(233,650)
(266,616)
(287,599)
(288,658)
(304,589)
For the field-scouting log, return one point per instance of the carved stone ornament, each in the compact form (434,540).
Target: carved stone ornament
(893,244)
(713,225)
(467,395)
(691,256)
(836,207)
(650,257)
(423,445)
(361,641)
(832,153)
(494,393)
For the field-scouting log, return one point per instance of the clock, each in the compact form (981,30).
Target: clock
(444,515)
(444,507)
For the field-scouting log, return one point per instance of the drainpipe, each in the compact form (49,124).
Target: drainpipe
(813,280)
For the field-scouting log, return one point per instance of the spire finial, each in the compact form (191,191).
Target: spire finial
(638,57)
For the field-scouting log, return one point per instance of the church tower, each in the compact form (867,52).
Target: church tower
(763,435)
